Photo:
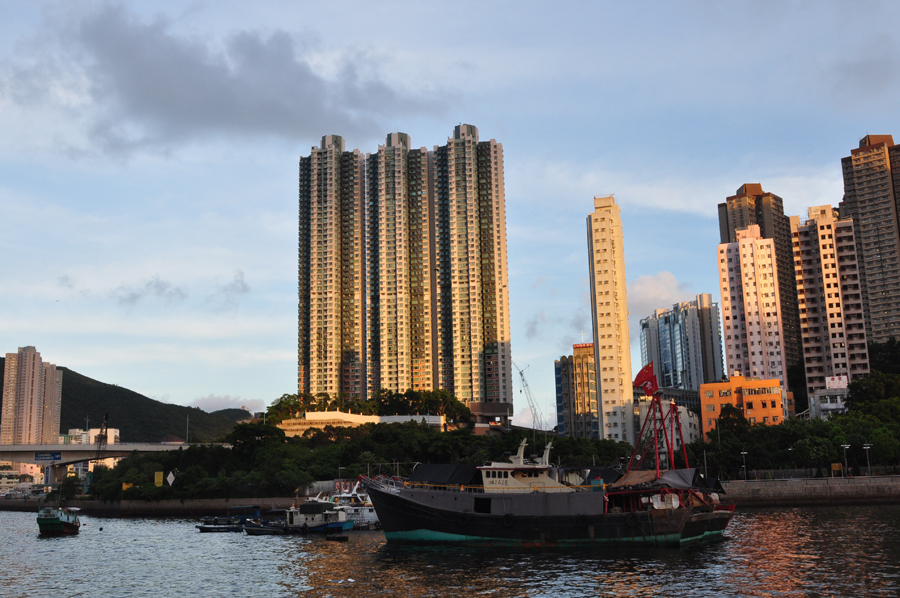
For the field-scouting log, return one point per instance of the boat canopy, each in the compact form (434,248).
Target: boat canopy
(452,475)
(678,479)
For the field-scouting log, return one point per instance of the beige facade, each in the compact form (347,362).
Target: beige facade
(872,200)
(297,426)
(609,308)
(400,264)
(750,303)
(32,394)
(331,271)
(829,294)
(472,293)
(577,412)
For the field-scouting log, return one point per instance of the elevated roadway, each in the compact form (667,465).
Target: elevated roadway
(66,454)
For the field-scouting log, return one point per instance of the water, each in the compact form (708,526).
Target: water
(810,552)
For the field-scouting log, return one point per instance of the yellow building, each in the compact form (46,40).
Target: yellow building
(762,401)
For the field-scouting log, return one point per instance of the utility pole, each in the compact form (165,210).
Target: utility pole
(187,429)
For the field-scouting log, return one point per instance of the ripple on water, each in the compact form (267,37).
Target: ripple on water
(840,551)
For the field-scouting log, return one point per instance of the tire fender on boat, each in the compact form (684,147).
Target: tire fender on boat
(462,519)
(581,520)
(508,520)
(631,519)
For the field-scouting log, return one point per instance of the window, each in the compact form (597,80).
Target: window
(710,407)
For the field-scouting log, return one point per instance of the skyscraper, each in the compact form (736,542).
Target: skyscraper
(472,294)
(400,262)
(684,343)
(403,272)
(577,413)
(872,200)
(331,271)
(609,307)
(828,288)
(32,395)
(750,301)
(751,205)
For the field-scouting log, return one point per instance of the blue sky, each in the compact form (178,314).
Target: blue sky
(148,157)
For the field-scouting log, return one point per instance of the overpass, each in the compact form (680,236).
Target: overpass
(66,454)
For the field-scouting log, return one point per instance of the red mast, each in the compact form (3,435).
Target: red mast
(646,380)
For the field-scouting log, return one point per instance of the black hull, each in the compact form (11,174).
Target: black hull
(535,519)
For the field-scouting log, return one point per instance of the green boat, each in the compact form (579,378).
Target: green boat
(59,521)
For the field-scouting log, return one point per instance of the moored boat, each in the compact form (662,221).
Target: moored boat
(232,522)
(60,521)
(529,502)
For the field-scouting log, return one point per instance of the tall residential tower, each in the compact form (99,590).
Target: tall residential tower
(872,200)
(32,395)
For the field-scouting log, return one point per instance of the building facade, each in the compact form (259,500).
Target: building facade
(750,301)
(577,414)
(762,401)
(609,307)
(32,395)
(872,199)
(403,272)
(832,321)
(684,343)
(331,271)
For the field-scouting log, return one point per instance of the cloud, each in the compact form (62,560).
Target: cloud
(66,281)
(155,288)
(873,68)
(140,84)
(226,296)
(213,402)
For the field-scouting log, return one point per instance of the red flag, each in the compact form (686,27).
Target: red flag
(646,380)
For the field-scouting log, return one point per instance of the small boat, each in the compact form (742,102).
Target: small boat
(232,522)
(60,521)
(310,517)
(265,529)
(356,504)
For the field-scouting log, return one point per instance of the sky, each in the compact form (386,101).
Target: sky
(149,155)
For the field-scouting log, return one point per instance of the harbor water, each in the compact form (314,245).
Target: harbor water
(808,552)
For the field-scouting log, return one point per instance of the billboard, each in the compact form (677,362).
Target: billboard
(48,456)
(834,382)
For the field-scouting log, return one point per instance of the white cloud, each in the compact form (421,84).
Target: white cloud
(213,402)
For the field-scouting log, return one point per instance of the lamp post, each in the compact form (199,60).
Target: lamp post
(846,446)
(744,456)
(867,446)
(791,451)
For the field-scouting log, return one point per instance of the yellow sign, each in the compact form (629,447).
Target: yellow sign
(159,479)
(126,486)
(837,466)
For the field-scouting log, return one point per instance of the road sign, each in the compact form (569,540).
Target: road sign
(171,478)
(48,456)
(158,479)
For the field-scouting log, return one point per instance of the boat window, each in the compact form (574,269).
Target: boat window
(505,474)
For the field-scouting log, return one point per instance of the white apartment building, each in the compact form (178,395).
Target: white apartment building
(751,307)
(832,321)
(32,394)
(609,311)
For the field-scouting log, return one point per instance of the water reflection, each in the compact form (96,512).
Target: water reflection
(851,551)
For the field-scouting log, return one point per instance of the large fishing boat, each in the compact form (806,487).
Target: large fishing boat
(529,502)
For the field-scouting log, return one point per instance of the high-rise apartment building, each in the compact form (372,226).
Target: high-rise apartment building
(751,205)
(684,343)
(748,275)
(828,289)
(400,262)
(577,414)
(403,271)
(472,298)
(331,271)
(872,200)
(609,307)
(32,395)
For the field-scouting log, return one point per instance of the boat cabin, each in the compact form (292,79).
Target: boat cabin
(521,475)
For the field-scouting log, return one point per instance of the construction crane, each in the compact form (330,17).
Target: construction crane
(537,418)
(101,439)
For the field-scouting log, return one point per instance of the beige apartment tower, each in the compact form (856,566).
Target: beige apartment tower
(748,275)
(400,265)
(472,289)
(609,308)
(331,271)
(32,395)
(828,289)
(872,200)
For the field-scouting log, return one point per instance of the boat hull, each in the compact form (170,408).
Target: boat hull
(413,515)
(52,526)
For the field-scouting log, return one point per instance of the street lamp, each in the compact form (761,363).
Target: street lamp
(791,451)
(744,456)
(846,446)
(867,446)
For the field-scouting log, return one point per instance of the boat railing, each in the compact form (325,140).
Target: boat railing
(481,489)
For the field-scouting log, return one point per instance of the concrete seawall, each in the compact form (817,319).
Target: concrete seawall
(813,491)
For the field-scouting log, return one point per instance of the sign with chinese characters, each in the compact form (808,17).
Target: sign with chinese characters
(834,382)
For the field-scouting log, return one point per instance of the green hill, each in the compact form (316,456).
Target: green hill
(138,418)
